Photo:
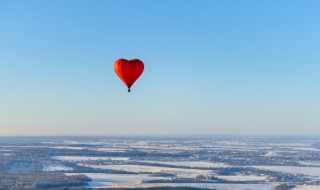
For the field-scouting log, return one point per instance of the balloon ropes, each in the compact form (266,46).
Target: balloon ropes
(128,70)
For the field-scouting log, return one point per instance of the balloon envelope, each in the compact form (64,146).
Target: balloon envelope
(128,70)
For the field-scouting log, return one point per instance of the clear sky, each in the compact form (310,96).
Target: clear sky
(211,67)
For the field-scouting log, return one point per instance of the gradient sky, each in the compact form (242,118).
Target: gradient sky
(211,67)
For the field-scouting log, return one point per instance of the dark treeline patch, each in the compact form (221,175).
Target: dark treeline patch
(156,188)
(40,180)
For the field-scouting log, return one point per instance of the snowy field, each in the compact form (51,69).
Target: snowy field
(199,164)
(216,186)
(108,149)
(109,180)
(50,168)
(127,180)
(310,171)
(86,158)
(307,187)
(180,172)
(242,177)
(230,164)
(69,147)
(311,163)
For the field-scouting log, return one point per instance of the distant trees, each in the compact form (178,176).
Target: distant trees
(284,187)
(157,188)
(41,180)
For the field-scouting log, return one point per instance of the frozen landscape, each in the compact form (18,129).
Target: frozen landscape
(144,162)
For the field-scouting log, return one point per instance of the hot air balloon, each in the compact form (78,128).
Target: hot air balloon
(128,70)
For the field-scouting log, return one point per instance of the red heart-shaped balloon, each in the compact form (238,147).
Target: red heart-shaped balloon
(128,70)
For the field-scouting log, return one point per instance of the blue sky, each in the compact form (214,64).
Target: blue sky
(211,67)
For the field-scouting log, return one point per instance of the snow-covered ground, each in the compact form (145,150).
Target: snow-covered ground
(242,177)
(232,142)
(311,171)
(291,144)
(271,153)
(307,187)
(48,142)
(180,172)
(200,164)
(248,153)
(108,180)
(69,147)
(84,142)
(305,149)
(220,186)
(127,180)
(50,168)
(108,149)
(310,163)
(86,158)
